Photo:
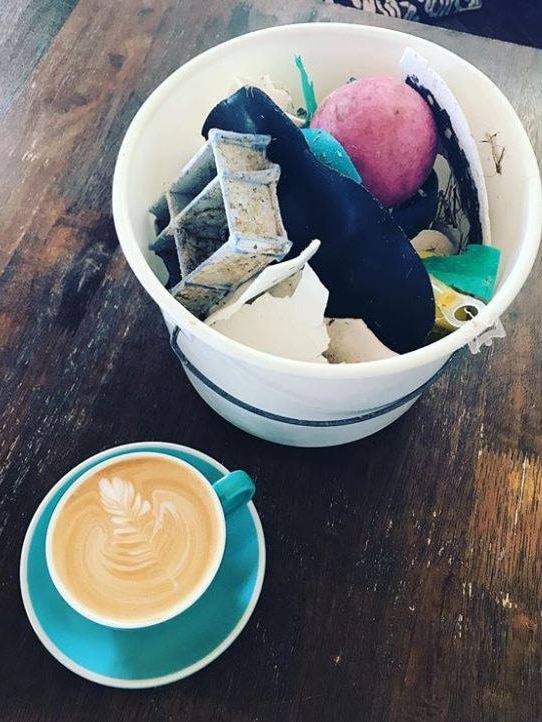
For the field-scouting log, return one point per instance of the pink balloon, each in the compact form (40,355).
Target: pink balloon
(388,131)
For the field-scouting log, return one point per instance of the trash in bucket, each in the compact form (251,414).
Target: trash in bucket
(387,178)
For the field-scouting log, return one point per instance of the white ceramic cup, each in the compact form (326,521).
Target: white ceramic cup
(224,496)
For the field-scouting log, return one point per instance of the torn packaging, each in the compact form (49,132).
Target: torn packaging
(365,261)
(457,142)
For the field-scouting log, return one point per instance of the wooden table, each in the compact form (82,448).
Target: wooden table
(404,571)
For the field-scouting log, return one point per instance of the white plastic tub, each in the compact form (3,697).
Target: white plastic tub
(292,402)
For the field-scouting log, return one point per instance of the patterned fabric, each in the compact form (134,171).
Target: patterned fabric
(413,9)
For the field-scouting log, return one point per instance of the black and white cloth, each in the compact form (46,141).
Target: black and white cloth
(413,9)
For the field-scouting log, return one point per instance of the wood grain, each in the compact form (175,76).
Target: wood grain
(404,571)
(28,27)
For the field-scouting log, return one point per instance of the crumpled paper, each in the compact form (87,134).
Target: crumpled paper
(287,317)
(270,277)
(288,326)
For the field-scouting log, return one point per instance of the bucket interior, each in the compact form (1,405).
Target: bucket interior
(169,130)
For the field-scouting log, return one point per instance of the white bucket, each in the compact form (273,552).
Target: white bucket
(292,402)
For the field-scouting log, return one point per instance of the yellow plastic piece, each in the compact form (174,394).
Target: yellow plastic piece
(452,309)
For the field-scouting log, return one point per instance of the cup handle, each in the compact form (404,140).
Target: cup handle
(234,490)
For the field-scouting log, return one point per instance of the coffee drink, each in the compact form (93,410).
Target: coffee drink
(136,540)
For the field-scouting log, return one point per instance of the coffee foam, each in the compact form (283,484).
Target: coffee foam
(136,539)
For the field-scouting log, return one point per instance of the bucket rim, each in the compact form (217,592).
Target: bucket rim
(193,328)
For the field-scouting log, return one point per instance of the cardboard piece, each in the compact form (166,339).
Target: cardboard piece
(460,149)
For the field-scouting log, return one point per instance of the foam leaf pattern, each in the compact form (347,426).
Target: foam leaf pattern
(134,543)
(120,499)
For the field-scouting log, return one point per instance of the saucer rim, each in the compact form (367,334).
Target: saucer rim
(151,681)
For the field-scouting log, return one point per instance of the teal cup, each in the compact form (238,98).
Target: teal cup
(226,495)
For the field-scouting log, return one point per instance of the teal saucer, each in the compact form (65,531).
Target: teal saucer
(138,658)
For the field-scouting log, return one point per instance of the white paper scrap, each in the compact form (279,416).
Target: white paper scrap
(292,326)
(269,277)
(351,341)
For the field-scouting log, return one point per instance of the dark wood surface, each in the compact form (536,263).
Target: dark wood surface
(404,575)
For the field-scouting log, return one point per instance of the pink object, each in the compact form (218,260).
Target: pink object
(388,131)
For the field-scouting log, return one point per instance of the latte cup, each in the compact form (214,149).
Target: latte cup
(138,538)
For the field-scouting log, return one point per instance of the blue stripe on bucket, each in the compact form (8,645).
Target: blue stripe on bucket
(367,416)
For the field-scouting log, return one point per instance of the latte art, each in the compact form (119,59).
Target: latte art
(141,531)
(136,539)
